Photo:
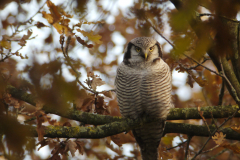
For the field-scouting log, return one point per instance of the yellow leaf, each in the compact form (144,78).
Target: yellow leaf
(5,44)
(91,36)
(219,138)
(167,140)
(60,28)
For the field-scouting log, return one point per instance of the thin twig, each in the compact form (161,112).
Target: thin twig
(187,147)
(214,157)
(176,145)
(229,83)
(158,32)
(65,53)
(209,150)
(202,65)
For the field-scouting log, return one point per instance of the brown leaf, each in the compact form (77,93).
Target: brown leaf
(219,138)
(86,103)
(80,146)
(235,147)
(40,25)
(107,93)
(96,82)
(122,138)
(42,143)
(200,81)
(48,17)
(22,41)
(190,81)
(84,43)
(71,146)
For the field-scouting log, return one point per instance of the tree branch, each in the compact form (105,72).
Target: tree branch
(89,118)
(126,125)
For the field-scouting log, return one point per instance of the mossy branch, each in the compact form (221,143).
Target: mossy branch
(88,118)
(124,126)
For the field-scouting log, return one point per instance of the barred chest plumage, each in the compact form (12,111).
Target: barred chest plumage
(144,91)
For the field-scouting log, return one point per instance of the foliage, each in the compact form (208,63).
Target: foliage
(54,60)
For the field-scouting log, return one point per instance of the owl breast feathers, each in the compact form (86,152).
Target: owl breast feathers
(143,87)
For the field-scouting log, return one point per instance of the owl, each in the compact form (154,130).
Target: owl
(143,88)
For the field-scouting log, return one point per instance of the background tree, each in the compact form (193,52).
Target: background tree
(54,55)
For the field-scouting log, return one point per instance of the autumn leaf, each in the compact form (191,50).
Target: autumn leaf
(235,147)
(40,25)
(60,28)
(48,17)
(91,36)
(237,129)
(42,143)
(84,43)
(200,81)
(80,146)
(190,81)
(22,41)
(96,81)
(5,44)
(219,138)
(71,146)
(54,11)
(167,140)
(107,93)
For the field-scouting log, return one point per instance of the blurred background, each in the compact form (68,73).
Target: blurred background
(100,30)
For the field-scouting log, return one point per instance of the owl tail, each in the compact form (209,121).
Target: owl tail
(148,138)
(150,152)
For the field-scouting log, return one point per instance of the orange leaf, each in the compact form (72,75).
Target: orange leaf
(54,11)
(48,17)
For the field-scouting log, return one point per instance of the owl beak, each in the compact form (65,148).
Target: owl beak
(146,55)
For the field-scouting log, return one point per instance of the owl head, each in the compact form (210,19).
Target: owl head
(142,49)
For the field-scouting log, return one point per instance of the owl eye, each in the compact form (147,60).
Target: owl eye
(137,49)
(151,49)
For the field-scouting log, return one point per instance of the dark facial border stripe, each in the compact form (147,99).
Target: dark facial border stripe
(127,54)
(159,49)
